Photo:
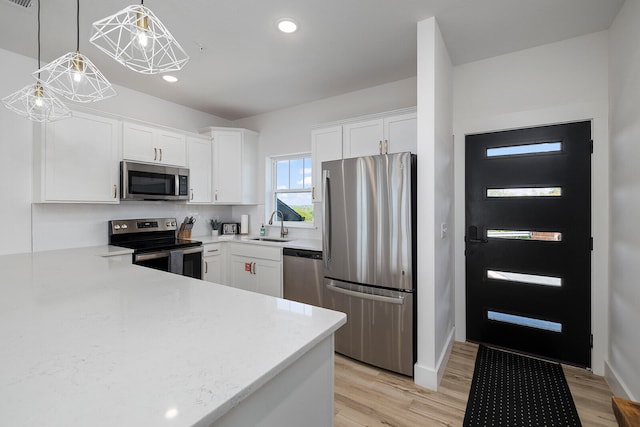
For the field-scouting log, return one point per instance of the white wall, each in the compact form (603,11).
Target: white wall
(435,155)
(52,224)
(623,373)
(555,83)
(15,162)
(288,131)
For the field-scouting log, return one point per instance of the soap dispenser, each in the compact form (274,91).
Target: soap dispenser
(263,231)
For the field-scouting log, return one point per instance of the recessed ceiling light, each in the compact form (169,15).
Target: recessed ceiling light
(287,25)
(169,78)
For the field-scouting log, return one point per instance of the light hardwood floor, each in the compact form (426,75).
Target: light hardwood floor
(366,396)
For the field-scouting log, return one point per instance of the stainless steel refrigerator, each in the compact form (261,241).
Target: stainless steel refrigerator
(369,254)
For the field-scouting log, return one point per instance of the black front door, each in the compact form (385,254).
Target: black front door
(528,241)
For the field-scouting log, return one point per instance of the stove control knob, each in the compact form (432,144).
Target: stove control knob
(173,223)
(124,226)
(116,227)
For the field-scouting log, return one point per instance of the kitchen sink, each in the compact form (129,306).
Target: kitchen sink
(270,239)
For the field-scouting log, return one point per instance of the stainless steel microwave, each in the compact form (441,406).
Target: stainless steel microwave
(146,181)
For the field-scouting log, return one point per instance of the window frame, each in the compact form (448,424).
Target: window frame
(272,190)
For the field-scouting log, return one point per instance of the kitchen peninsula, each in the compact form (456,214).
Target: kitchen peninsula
(90,340)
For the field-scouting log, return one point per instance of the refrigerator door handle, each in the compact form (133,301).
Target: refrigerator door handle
(326,214)
(391,300)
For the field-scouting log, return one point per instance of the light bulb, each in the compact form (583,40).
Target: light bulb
(39,102)
(143,40)
(77,64)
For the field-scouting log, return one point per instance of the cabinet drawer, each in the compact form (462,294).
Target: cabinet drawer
(212,249)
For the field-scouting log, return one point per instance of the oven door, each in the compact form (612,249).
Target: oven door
(186,262)
(156,260)
(192,262)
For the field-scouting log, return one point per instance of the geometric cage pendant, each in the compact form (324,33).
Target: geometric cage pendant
(137,39)
(75,77)
(37,103)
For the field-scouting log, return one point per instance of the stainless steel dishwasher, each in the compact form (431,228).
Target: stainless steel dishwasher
(303,276)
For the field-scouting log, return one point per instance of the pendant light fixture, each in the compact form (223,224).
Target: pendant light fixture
(137,39)
(74,76)
(37,102)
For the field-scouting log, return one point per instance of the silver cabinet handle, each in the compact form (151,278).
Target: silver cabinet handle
(206,267)
(213,250)
(253,268)
(392,300)
(216,195)
(192,194)
(386,146)
(161,154)
(155,153)
(115,191)
(380,146)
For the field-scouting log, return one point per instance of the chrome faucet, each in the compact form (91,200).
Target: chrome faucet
(283,231)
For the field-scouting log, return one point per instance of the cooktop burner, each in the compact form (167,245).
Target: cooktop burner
(146,235)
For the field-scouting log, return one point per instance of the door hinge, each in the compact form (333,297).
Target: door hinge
(591,142)
(591,243)
(591,340)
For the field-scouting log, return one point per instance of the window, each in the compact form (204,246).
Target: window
(292,188)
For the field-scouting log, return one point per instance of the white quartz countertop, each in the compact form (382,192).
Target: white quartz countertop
(92,341)
(308,244)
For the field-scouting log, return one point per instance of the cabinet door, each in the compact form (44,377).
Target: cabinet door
(228,167)
(138,143)
(401,133)
(200,173)
(240,273)
(81,160)
(213,263)
(172,148)
(269,275)
(362,138)
(212,269)
(326,144)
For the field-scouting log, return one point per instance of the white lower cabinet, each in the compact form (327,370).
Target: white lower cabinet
(255,268)
(214,263)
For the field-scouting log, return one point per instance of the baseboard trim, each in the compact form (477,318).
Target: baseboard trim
(617,386)
(429,377)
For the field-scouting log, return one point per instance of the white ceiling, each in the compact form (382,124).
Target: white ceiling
(241,65)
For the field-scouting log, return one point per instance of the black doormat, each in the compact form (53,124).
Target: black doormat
(513,390)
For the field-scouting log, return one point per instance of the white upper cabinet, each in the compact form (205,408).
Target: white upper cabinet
(234,165)
(200,169)
(77,160)
(326,144)
(392,134)
(153,145)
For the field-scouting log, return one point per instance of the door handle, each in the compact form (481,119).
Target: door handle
(155,153)
(473,237)
(161,154)
(326,214)
(361,295)
(253,268)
